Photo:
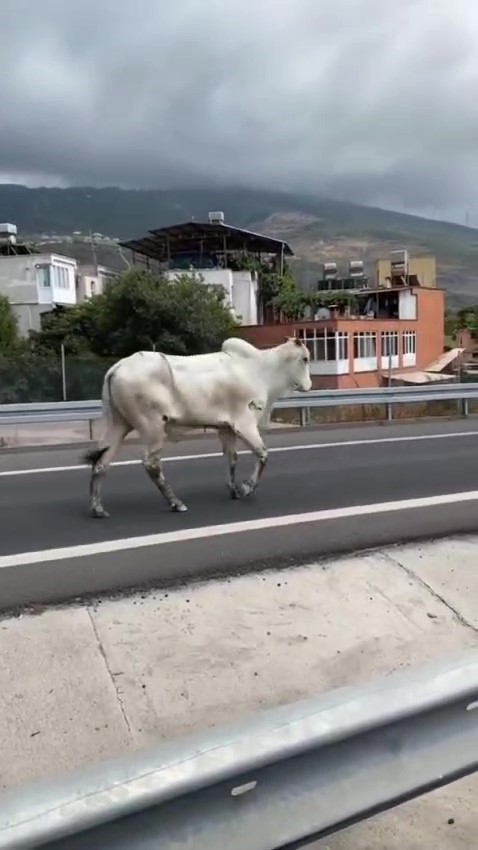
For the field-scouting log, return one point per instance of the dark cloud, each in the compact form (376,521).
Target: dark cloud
(360,99)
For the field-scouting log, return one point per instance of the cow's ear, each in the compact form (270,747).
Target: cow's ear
(287,339)
(297,341)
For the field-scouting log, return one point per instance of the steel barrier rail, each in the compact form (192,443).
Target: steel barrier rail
(281,780)
(77,411)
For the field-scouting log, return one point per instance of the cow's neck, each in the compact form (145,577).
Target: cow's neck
(277,381)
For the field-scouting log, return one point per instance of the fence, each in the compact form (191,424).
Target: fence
(88,411)
(48,378)
(34,377)
(282,779)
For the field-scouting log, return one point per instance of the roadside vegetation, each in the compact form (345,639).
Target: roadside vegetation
(141,311)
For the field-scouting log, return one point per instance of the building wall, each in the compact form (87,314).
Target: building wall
(418,342)
(34,284)
(431,339)
(423,267)
(92,280)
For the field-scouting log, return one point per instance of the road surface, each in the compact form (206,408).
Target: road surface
(323,492)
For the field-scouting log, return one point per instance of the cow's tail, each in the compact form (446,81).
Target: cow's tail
(93,456)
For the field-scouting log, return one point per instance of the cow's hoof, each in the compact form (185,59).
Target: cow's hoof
(247,488)
(180,508)
(99,513)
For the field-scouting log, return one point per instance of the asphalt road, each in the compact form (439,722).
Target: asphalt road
(43,508)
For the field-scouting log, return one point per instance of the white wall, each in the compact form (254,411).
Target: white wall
(240,288)
(244,297)
(92,280)
(18,279)
(407,305)
(365,364)
(329,367)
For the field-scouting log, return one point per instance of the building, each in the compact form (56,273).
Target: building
(467,339)
(361,331)
(219,253)
(34,283)
(399,269)
(92,280)
(391,333)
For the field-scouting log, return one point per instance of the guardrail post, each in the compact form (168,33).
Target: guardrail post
(466,409)
(389,412)
(304,417)
(90,428)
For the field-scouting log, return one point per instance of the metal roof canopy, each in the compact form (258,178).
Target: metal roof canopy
(210,237)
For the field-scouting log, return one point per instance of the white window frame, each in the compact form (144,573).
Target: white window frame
(388,349)
(409,348)
(342,345)
(318,338)
(60,276)
(366,344)
(409,342)
(365,351)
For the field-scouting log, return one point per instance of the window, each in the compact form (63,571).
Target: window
(325,345)
(43,275)
(409,342)
(92,287)
(342,340)
(365,345)
(60,276)
(390,344)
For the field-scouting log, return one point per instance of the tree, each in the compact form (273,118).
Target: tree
(143,311)
(290,300)
(8,327)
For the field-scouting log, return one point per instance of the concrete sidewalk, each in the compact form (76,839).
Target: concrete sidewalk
(76,434)
(81,683)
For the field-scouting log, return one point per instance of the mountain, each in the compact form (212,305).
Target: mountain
(318,229)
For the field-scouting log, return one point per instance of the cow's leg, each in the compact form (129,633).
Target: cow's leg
(154,467)
(229,440)
(248,432)
(100,459)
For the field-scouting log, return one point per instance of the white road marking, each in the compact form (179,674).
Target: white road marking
(205,532)
(207,455)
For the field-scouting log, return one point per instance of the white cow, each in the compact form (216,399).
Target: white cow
(160,396)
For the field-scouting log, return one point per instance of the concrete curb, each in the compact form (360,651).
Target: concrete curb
(289,429)
(52,582)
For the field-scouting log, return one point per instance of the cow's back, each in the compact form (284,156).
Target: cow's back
(197,389)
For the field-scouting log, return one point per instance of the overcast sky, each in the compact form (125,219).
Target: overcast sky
(368,100)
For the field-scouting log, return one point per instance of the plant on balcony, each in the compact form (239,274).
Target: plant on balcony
(341,301)
(290,300)
(277,291)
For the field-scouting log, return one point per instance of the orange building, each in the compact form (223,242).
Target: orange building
(395,335)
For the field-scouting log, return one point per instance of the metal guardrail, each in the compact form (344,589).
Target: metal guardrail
(281,780)
(77,411)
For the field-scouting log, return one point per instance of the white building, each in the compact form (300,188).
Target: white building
(36,284)
(92,280)
(215,251)
(240,289)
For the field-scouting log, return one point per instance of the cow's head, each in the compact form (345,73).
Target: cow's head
(297,364)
